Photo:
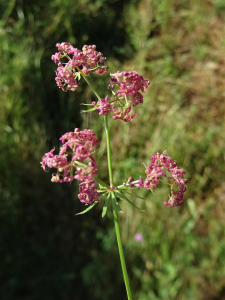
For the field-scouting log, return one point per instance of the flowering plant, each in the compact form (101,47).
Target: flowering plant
(75,160)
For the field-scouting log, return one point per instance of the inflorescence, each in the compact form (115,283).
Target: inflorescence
(79,62)
(126,87)
(160,165)
(77,147)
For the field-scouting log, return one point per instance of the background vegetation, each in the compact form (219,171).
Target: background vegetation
(46,252)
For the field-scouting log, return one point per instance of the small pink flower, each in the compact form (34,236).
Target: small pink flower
(65,78)
(88,193)
(123,114)
(81,142)
(103,106)
(138,237)
(126,93)
(54,161)
(87,172)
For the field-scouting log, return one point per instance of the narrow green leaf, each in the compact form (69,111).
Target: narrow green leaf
(115,203)
(134,195)
(105,206)
(89,110)
(125,198)
(89,208)
(102,187)
(101,191)
(103,195)
(119,194)
(101,182)
(152,191)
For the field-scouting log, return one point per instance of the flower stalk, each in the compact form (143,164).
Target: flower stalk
(122,259)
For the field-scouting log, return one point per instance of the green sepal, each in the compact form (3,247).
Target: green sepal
(87,209)
(104,211)
(115,204)
(121,196)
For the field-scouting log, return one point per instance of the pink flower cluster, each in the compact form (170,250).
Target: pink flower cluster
(129,84)
(88,59)
(126,94)
(103,106)
(160,164)
(78,145)
(88,193)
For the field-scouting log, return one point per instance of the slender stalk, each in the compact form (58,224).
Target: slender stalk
(118,235)
(94,91)
(123,264)
(108,152)
(117,228)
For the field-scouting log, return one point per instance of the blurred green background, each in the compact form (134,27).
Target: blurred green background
(48,253)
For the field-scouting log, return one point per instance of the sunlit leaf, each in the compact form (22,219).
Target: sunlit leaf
(89,110)
(152,191)
(128,192)
(125,198)
(101,182)
(87,209)
(115,203)
(102,187)
(105,206)
(103,195)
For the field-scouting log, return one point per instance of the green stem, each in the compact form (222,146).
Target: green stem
(94,91)
(123,264)
(108,152)
(118,235)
